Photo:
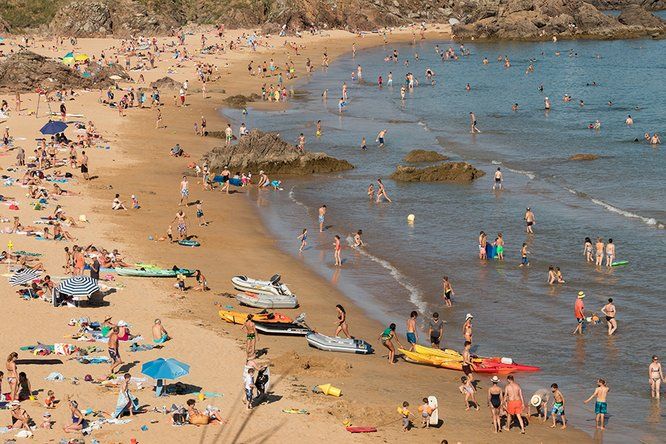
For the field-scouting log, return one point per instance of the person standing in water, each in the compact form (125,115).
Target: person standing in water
(322,215)
(483,240)
(599,251)
(610,253)
(499,243)
(600,406)
(524,260)
(609,311)
(358,241)
(498,179)
(412,333)
(303,238)
(472,122)
(579,313)
(380,137)
(337,248)
(530,220)
(371,192)
(656,375)
(447,291)
(513,396)
(381,191)
(467,328)
(587,250)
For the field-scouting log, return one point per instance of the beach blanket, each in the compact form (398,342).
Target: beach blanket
(95,360)
(123,403)
(138,348)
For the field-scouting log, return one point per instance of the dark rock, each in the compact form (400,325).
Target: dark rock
(419,156)
(267,151)
(165,83)
(584,157)
(636,16)
(460,172)
(240,101)
(4,26)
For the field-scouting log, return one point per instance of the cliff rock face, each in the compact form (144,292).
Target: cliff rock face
(543,19)
(25,71)
(4,26)
(267,151)
(459,172)
(651,5)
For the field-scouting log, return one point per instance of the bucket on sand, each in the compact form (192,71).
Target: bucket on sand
(328,389)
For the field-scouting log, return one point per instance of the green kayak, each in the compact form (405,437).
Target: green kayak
(152,272)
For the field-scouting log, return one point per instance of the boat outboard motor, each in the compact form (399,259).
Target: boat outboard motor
(275,279)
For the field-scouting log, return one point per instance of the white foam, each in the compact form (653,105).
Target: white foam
(496,162)
(647,220)
(529,174)
(414,293)
(296,201)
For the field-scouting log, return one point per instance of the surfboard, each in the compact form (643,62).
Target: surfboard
(188,243)
(434,416)
(619,263)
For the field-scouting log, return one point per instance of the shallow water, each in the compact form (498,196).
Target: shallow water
(516,313)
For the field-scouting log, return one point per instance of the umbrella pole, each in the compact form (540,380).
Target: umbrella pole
(39,97)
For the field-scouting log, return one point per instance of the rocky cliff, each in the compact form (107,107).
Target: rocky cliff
(651,5)
(267,151)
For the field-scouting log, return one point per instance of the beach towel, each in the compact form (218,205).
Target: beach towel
(95,360)
(123,402)
(55,376)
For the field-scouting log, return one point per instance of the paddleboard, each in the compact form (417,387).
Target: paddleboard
(188,243)
(360,429)
(434,416)
(619,263)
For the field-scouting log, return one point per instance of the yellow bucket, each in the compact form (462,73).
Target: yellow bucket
(328,389)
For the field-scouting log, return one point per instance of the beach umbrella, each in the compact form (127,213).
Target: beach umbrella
(53,127)
(23,276)
(165,369)
(78,286)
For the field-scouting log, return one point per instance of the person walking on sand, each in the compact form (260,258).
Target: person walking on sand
(498,179)
(380,137)
(513,395)
(558,407)
(387,337)
(303,238)
(251,336)
(341,322)
(184,191)
(472,123)
(579,313)
(412,333)
(599,253)
(158,119)
(600,406)
(530,220)
(609,311)
(467,328)
(656,375)
(248,385)
(181,226)
(495,401)
(381,191)
(337,248)
(610,253)
(114,351)
(322,216)
(435,330)
(83,164)
(447,291)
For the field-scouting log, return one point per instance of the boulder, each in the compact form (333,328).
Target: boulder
(267,151)
(4,26)
(635,15)
(165,82)
(83,18)
(240,101)
(419,156)
(584,157)
(459,172)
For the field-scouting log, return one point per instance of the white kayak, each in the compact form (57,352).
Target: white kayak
(330,343)
(271,286)
(267,300)
(272,328)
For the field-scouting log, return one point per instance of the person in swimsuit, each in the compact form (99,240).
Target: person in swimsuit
(78,422)
(251,338)
(114,351)
(181,224)
(412,334)
(467,389)
(524,261)
(20,418)
(599,251)
(381,191)
(83,163)
(495,401)
(610,253)
(358,240)
(483,239)
(656,375)
(579,313)
(184,191)
(558,407)
(601,406)
(12,375)
(380,137)
(529,221)
(448,291)
(341,322)
(609,311)
(435,330)
(322,215)
(387,337)
(498,179)
(467,328)
(467,361)
(200,214)
(499,244)
(472,123)
(337,248)
(587,250)
(513,396)
(303,238)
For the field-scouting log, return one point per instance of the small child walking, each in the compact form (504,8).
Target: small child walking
(524,261)
(405,414)
(303,237)
(467,389)
(426,411)
(200,214)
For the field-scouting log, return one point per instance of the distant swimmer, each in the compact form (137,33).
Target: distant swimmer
(380,137)
(655,139)
(485,60)
(546,104)
(498,179)
(514,107)
(609,311)
(472,123)
(530,220)
(629,120)
(468,87)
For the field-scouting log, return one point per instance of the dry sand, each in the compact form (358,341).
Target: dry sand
(235,242)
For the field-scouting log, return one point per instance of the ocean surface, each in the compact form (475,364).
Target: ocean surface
(516,313)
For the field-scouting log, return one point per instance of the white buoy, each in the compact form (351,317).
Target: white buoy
(411,218)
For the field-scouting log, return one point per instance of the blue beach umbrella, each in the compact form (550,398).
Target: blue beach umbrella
(165,369)
(53,127)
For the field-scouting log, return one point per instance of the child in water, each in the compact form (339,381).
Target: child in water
(303,237)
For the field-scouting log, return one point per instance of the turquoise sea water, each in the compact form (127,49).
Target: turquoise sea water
(620,195)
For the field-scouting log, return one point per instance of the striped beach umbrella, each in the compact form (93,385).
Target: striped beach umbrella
(78,286)
(23,276)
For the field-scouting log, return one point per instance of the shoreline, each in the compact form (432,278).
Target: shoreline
(371,389)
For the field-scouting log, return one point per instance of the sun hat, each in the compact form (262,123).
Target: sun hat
(536,400)
(581,295)
(469,316)
(495,379)
(83,218)
(122,323)
(14,403)
(46,415)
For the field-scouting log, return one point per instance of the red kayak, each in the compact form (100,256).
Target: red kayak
(495,366)
(359,429)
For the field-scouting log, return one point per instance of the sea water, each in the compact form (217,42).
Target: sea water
(516,313)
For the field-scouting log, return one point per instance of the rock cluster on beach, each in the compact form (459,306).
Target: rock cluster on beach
(240,101)
(422,156)
(459,172)
(268,152)
(25,71)
(165,82)
(544,19)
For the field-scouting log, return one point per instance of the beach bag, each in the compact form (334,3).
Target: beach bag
(199,419)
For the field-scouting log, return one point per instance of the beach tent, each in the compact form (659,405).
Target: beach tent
(23,276)
(53,127)
(81,57)
(78,287)
(68,59)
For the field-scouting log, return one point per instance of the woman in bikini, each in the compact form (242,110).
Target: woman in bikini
(599,252)
(587,250)
(337,248)
(656,376)
(12,375)
(341,322)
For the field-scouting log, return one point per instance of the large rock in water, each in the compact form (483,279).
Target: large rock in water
(267,151)
(584,157)
(420,156)
(25,71)
(460,172)
(636,16)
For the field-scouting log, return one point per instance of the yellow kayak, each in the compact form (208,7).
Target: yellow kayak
(239,317)
(446,353)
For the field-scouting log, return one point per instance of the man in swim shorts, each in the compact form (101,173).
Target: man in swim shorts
(579,313)
(514,403)
(412,334)
(558,407)
(114,352)
(600,407)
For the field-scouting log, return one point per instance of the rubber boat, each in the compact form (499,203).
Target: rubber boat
(267,300)
(271,286)
(238,317)
(330,343)
(282,328)
(452,360)
(152,272)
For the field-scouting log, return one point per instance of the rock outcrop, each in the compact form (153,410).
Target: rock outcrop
(635,15)
(422,156)
(267,151)
(651,5)
(584,157)
(459,172)
(4,25)
(542,20)
(240,101)
(165,82)
(25,71)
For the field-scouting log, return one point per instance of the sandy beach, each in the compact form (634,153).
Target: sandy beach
(137,162)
